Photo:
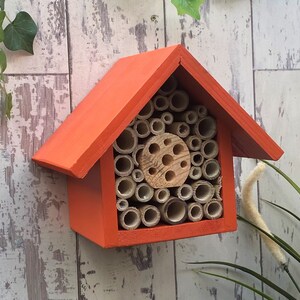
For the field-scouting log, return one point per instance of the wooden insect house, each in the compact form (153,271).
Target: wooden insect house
(149,151)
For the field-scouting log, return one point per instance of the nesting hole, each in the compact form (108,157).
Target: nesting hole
(168,85)
(176,211)
(126,140)
(157,125)
(131,219)
(197,159)
(147,109)
(192,117)
(125,187)
(167,159)
(212,169)
(154,148)
(170,175)
(207,127)
(183,164)
(161,102)
(122,204)
(195,143)
(144,192)
(209,148)
(195,211)
(185,191)
(123,164)
(177,149)
(178,100)
(142,128)
(167,142)
(183,128)
(162,194)
(150,215)
(152,171)
(202,191)
(214,208)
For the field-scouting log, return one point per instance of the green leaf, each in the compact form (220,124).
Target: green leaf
(2,4)
(20,33)
(2,16)
(291,251)
(286,177)
(189,7)
(3,63)
(282,208)
(240,283)
(8,104)
(250,272)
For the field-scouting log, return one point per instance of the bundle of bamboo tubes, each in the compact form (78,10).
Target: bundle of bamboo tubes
(166,163)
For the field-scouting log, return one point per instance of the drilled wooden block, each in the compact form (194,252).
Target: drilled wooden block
(165,161)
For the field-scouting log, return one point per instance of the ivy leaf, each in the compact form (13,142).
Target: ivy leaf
(2,4)
(189,7)
(20,33)
(3,63)
(2,16)
(8,104)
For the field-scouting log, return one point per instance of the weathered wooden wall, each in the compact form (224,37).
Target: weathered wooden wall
(251,47)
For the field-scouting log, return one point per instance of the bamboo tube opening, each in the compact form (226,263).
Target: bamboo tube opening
(126,142)
(162,195)
(137,175)
(210,149)
(146,111)
(150,215)
(193,142)
(206,128)
(176,212)
(160,103)
(190,117)
(168,87)
(130,219)
(196,159)
(201,110)
(122,204)
(125,187)
(132,122)
(195,212)
(136,154)
(203,191)
(142,128)
(211,169)
(157,126)
(181,129)
(179,101)
(184,192)
(213,210)
(167,118)
(123,165)
(144,192)
(195,173)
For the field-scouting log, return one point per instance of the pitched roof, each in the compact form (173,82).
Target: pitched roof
(131,82)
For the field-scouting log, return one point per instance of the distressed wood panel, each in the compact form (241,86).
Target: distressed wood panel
(37,248)
(50,45)
(100,33)
(278,106)
(275,26)
(221,41)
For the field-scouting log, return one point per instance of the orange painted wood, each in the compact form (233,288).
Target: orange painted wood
(105,112)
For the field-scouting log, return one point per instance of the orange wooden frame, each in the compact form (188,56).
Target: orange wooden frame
(93,211)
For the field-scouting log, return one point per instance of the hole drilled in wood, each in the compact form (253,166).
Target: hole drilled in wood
(167,159)
(154,148)
(183,164)
(167,142)
(152,171)
(170,175)
(177,149)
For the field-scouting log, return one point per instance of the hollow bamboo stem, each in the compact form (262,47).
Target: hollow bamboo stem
(209,149)
(130,218)
(144,192)
(167,118)
(168,87)
(150,215)
(126,142)
(160,103)
(205,128)
(203,191)
(125,187)
(211,169)
(161,195)
(123,165)
(179,101)
(184,192)
(197,159)
(195,173)
(142,128)
(137,175)
(146,112)
(122,204)
(137,153)
(157,126)
(201,110)
(181,129)
(213,209)
(195,212)
(189,117)
(193,142)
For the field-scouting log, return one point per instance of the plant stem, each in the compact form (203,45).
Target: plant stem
(286,269)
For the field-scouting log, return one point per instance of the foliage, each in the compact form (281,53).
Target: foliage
(17,35)
(189,7)
(279,243)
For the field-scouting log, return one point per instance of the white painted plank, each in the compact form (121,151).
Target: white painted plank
(275,29)
(221,41)
(100,33)
(37,248)
(50,45)
(278,106)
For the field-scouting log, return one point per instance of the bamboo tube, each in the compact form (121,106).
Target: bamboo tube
(195,212)
(203,191)
(144,192)
(142,128)
(217,194)
(197,159)
(213,209)
(206,128)
(161,195)
(179,101)
(137,175)
(167,118)
(136,153)
(126,142)
(160,103)
(195,173)
(193,142)
(201,110)
(125,187)
(181,129)
(123,165)
(146,112)
(209,149)
(184,192)
(150,215)
(157,126)
(169,86)
(132,122)
(122,204)
(174,211)
(211,169)
(189,117)
(130,218)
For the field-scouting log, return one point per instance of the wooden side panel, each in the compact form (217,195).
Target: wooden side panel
(100,33)
(221,41)
(277,97)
